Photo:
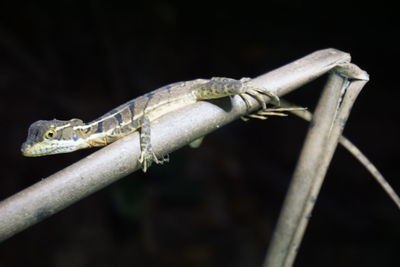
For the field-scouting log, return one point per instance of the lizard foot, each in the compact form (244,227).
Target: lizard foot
(264,113)
(147,157)
(258,93)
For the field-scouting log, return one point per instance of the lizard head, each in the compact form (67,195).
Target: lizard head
(53,137)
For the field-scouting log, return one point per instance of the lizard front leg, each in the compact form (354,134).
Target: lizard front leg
(147,155)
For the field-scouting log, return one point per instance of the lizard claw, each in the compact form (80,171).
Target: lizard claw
(147,157)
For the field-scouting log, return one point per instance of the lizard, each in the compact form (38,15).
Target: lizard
(47,137)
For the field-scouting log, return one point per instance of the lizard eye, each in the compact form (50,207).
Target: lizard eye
(50,134)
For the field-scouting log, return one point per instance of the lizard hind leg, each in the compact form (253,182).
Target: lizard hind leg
(258,94)
(147,155)
(246,101)
(255,94)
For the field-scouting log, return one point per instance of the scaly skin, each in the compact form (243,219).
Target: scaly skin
(56,136)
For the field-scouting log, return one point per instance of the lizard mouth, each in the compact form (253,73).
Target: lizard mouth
(32,151)
(50,148)
(46,148)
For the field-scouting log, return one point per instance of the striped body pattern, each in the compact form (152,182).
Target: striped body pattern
(56,136)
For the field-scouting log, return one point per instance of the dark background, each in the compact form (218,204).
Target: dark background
(217,205)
